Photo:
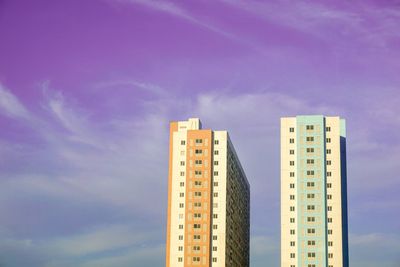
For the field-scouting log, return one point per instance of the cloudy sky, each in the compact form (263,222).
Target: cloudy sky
(88,88)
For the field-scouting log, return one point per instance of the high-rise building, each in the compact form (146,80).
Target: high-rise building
(208,199)
(313,192)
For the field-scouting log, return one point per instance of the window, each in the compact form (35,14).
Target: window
(328,140)
(292,232)
(215,173)
(291,129)
(329,208)
(183,142)
(311,231)
(328,151)
(310,207)
(214,259)
(310,195)
(198,151)
(291,151)
(328,162)
(310,172)
(216,142)
(180,237)
(196,226)
(196,248)
(292,243)
(329,185)
(330,232)
(196,259)
(310,150)
(181,194)
(182,163)
(311,254)
(310,127)
(215,183)
(198,162)
(197,194)
(197,215)
(215,227)
(310,161)
(292,255)
(311,265)
(182,184)
(291,174)
(215,194)
(330,255)
(310,184)
(292,220)
(216,162)
(181,226)
(180,259)
(330,244)
(291,140)
(328,129)
(196,237)
(215,216)
(197,173)
(291,185)
(291,208)
(310,219)
(197,183)
(329,196)
(197,204)
(216,152)
(215,237)
(182,173)
(291,197)
(214,248)
(310,138)
(329,174)
(181,205)
(291,163)
(311,242)
(199,141)
(329,220)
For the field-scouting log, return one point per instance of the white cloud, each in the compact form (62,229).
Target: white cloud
(10,105)
(374,249)
(106,238)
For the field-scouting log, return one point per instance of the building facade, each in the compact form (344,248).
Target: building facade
(208,220)
(313,192)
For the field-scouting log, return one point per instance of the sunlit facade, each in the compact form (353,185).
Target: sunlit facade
(313,192)
(208,199)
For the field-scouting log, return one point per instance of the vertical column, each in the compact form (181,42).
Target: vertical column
(311,191)
(198,197)
(173,128)
(334,191)
(288,193)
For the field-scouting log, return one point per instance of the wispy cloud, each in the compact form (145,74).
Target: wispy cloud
(313,17)
(10,105)
(173,9)
(145,86)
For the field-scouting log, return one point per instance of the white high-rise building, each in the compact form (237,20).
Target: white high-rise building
(313,192)
(208,199)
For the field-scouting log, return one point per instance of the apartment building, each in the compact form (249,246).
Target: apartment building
(313,192)
(208,220)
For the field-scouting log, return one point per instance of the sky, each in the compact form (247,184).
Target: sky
(88,88)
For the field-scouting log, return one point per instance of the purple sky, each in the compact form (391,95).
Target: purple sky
(87,89)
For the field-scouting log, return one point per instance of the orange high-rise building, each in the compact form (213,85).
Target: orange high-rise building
(208,199)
